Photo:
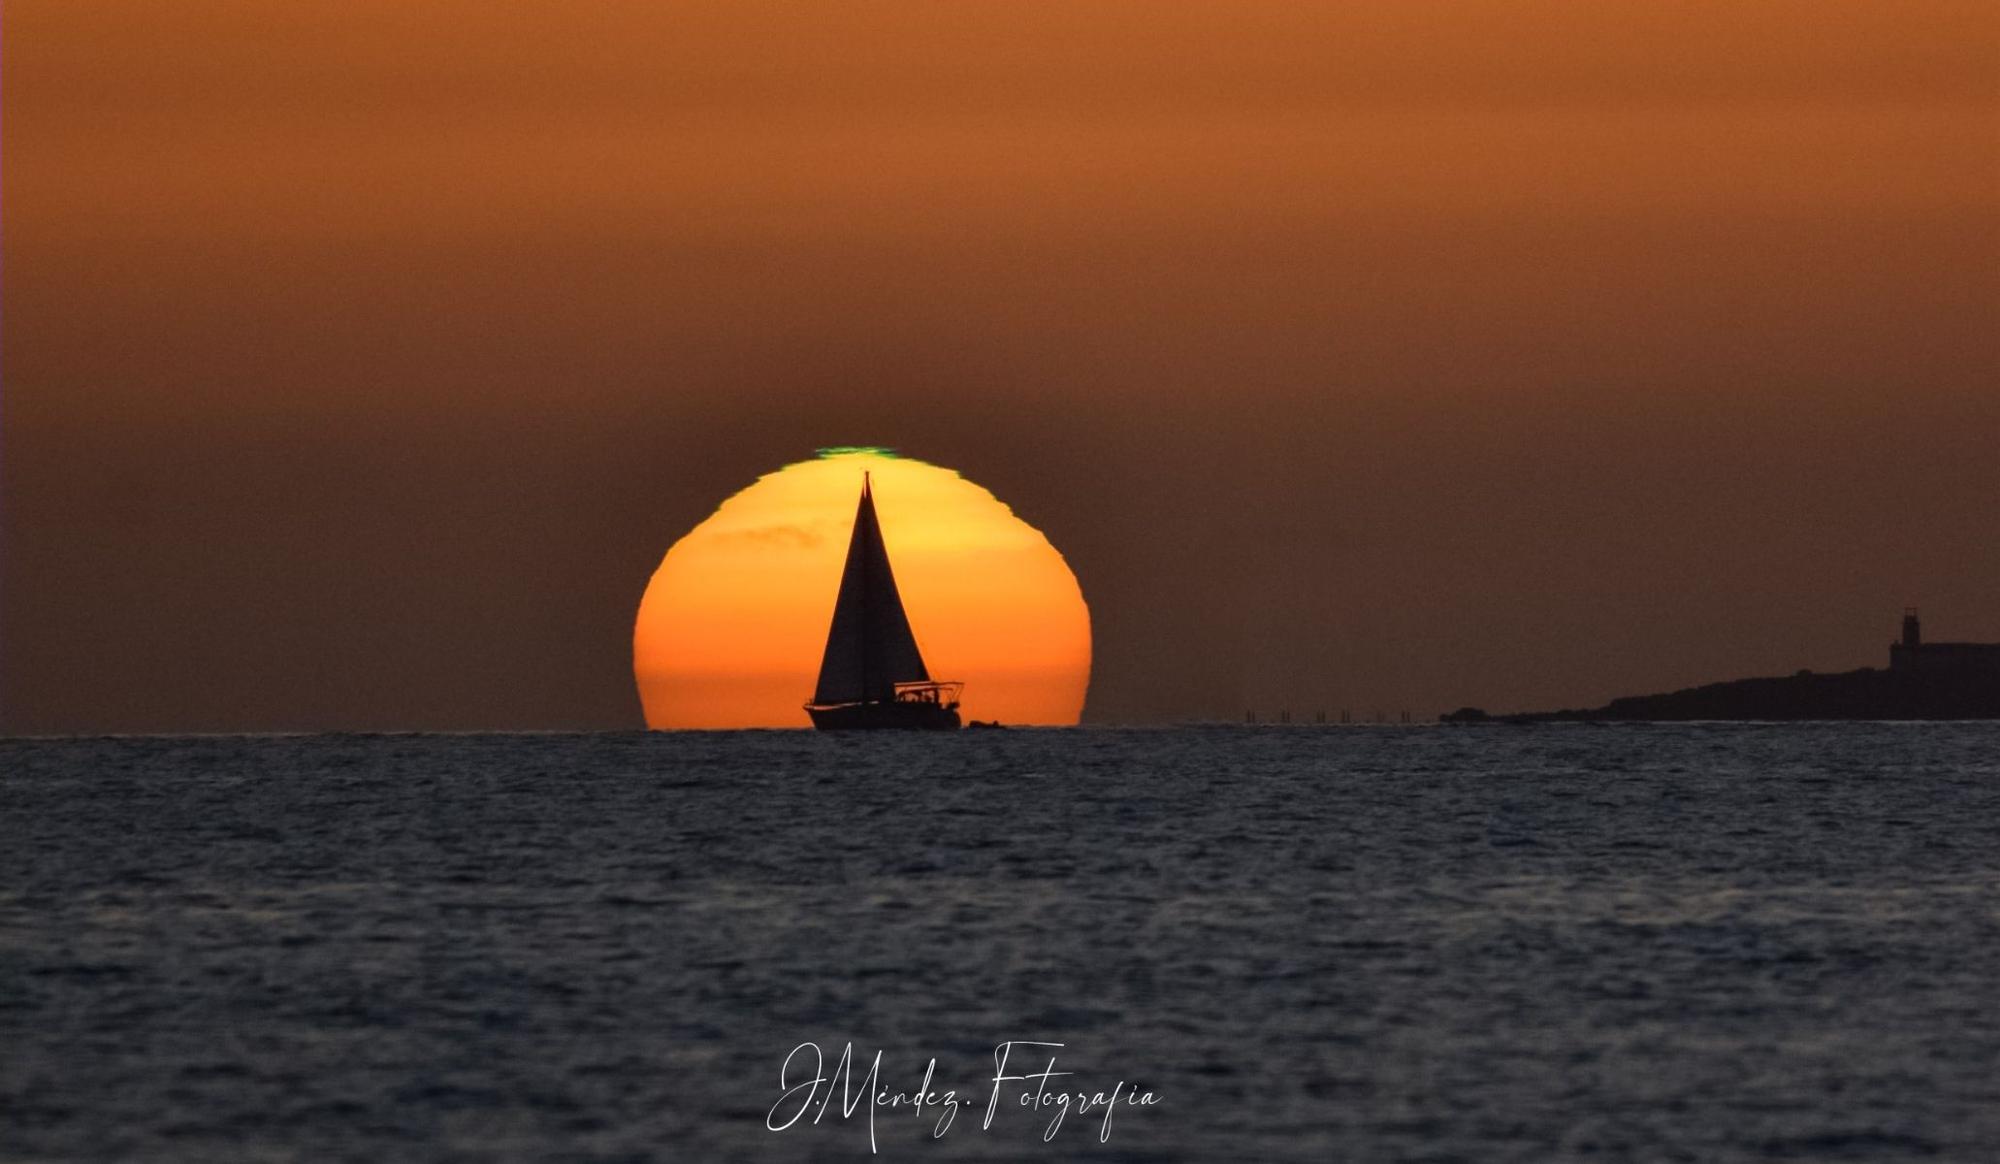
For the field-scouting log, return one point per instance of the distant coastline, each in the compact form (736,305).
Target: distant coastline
(1923,681)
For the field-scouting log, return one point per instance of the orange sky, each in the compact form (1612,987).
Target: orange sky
(360,357)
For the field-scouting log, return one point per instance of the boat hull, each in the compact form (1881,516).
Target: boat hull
(903,715)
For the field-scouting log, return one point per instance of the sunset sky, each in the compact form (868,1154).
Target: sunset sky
(362,360)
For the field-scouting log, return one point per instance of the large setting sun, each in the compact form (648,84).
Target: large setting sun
(732,627)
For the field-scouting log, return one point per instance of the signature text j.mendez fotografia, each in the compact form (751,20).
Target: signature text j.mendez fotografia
(804,1074)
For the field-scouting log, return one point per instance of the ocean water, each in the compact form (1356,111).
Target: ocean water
(1570,942)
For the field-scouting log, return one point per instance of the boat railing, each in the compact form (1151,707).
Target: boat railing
(944,694)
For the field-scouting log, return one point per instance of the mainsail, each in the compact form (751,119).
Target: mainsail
(870,647)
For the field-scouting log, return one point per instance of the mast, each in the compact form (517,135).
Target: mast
(871,529)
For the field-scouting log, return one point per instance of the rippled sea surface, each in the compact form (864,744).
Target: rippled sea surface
(1702,943)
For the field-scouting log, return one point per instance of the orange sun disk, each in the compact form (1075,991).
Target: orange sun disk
(731,628)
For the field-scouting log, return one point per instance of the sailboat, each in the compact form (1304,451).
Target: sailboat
(872,675)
